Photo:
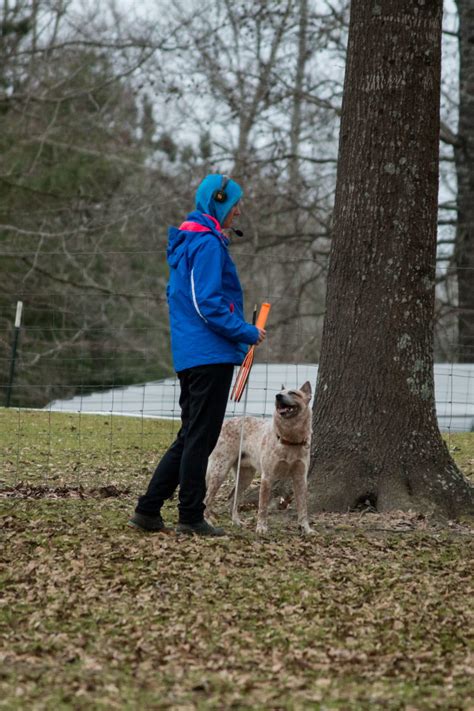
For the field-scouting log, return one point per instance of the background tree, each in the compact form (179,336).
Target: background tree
(109,120)
(464,156)
(375,430)
(454,308)
(78,209)
(270,85)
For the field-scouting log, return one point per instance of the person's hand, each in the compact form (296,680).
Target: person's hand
(262,334)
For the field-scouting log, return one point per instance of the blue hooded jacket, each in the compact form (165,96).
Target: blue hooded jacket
(204,294)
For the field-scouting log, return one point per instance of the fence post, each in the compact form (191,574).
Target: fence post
(19,309)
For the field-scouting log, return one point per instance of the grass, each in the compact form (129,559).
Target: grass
(55,449)
(374,612)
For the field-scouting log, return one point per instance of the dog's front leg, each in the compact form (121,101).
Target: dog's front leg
(300,489)
(263,501)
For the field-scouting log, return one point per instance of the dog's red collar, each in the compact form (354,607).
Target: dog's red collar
(304,443)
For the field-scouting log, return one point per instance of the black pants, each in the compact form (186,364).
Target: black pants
(203,400)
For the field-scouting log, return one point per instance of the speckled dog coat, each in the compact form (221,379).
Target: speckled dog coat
(277,448)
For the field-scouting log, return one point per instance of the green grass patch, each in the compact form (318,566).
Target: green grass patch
(59,449)
(373,612)
(461,447)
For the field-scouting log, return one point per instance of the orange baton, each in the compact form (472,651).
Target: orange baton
(245,368)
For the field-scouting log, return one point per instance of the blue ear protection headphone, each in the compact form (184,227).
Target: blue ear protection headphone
(220,194)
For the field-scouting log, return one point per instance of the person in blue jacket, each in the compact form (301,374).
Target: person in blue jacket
(209,335)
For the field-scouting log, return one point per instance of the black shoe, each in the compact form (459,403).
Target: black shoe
(148,523)
(201,528)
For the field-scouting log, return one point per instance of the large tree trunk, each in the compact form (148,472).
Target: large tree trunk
(464,156)
(375,430)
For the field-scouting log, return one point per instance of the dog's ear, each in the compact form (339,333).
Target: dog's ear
(306,389)
(283,387)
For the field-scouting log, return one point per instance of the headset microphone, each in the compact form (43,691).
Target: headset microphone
(239,233)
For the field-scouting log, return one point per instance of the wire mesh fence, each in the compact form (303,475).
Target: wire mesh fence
(90,382)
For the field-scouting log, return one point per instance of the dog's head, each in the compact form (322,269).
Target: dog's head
(291,403)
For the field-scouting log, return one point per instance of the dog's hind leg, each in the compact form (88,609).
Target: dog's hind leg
(245,477)
(300,489)
(217,471)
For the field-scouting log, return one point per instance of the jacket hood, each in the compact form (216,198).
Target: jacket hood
(176,246)
(180,238)
(206,203)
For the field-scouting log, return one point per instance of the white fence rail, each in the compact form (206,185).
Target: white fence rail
(454,392)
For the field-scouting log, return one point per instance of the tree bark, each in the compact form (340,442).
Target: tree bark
(464,157)
(375,430)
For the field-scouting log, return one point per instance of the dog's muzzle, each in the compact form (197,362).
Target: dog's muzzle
(284,406)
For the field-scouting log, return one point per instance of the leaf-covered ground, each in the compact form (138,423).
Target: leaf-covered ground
(373,612)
